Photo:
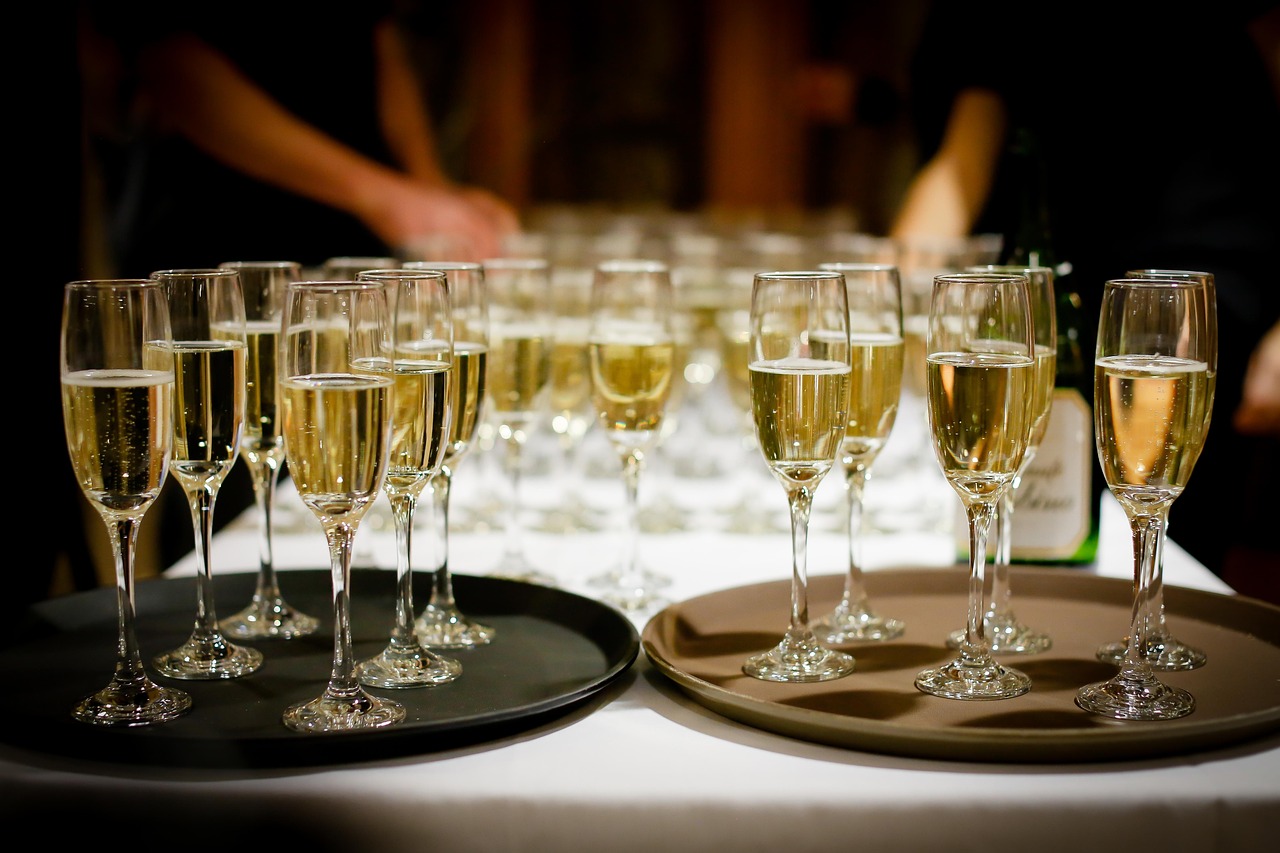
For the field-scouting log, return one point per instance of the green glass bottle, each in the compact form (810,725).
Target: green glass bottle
(1056,521)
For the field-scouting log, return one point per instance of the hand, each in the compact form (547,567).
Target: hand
(405,212)
(1259,410)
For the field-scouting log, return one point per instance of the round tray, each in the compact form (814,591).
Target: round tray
(553,650)
(700,644)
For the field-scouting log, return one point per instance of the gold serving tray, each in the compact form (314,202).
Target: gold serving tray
(700,645)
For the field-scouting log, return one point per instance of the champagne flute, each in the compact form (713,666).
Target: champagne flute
(631,345)
(875,332)
(980,375)
(419,431)
(263,284)
(1006,633)
(800,369)
(521,335)
(206,308)
(1152,397)
(572,410)
(1165,652)
(442,624)
(117,383)
(336,393)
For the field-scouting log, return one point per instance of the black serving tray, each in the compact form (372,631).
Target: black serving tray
(553,650)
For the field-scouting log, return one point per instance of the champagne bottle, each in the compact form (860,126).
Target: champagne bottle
(1056,517)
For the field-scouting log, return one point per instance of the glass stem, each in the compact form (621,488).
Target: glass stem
(342,681)
(800,502)
(977,646)
(442,582)
(124,538)
(998,610)
(856,476)
(265,479)
(632,577)
(1148,534)
(403,504)
(513,462)
(201,500)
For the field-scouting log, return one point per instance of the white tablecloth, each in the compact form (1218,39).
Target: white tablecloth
(642,767)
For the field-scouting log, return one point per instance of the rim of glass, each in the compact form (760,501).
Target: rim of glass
(1007,269)
(260,265)
(203,272)
(337,284)
(444,266)
(799,275)
(516,263)
(857,266)
(399,273)
(633,265)
(1156,282)
(93,283)
(981,277)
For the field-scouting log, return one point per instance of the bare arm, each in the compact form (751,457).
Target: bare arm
(205,97)
(947,194)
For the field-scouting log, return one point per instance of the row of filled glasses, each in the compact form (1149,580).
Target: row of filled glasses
(379,381)
(822,353)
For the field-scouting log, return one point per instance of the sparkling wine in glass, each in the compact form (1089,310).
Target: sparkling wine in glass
(206,309)
(875,385)
(800,364)
(117,384)
(980,379)
(521,334)
(1164,651)
(1152,397)
(336,393)
(422,368)
(442,623)
(1007,634)
(632,357)
(262,445)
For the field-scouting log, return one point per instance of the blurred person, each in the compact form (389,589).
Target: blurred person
(279,130)
(1158,134)
(272,131)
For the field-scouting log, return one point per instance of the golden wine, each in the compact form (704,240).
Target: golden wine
(737,368)
(1150,413)
(208,410)
(875,386)
(466,396)
(119,426)
(631,384)
(980,417)
(336,427)
(1046,372)
(800,407)
(419,422)
(261,439)
(570,376)
(520,372)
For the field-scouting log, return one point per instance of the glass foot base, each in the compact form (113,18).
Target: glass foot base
(134,703)
(615,578)
(411,666)
(269,617)
(208,659)
(1009,638)
(844,625)
(1164,654)
(525,575)
(634,600)
(1124,698)
(446,628)
(962,679)
(342,713)
(799,661)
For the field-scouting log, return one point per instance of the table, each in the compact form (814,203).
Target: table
(643,767)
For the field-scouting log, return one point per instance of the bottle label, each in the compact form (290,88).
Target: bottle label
(1052,517)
